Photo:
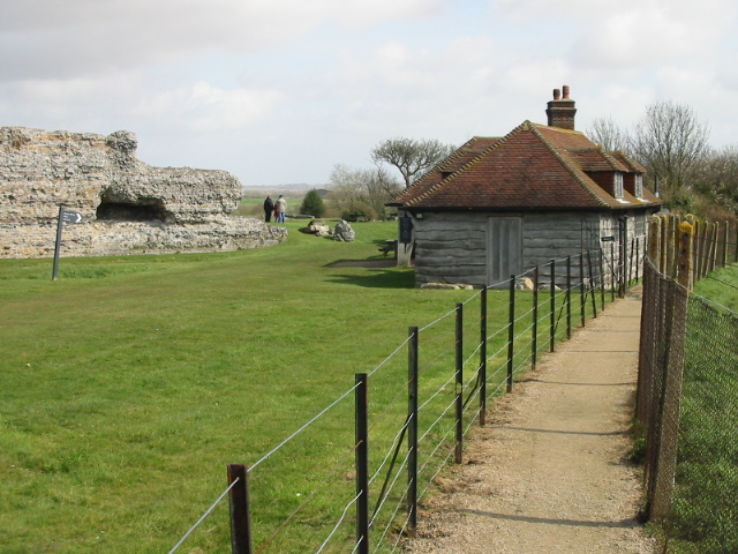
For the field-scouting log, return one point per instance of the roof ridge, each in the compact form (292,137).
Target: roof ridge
(446,180)
(567,164)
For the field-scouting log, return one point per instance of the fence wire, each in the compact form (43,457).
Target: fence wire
(437,435)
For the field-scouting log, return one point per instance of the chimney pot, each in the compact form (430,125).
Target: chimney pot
(561,111)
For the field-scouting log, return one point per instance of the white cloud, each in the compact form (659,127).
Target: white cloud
(76,37)
(204,107)
(630,33)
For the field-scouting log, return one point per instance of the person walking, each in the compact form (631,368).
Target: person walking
(282,207)
(268,209)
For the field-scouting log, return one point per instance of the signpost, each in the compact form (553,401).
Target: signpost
(65,216)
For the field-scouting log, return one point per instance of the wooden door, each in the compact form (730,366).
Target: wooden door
(504,248)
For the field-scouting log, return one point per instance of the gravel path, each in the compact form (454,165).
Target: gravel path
(549,472)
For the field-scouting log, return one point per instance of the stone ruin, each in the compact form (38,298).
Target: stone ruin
(127,206)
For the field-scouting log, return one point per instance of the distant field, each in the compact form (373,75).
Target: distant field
(254,205)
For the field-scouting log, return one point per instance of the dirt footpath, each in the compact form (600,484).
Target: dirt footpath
(549,472)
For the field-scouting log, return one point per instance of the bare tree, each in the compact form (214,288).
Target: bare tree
(362,190)
(411,157)
(606,133)
(716,176)
(670,141)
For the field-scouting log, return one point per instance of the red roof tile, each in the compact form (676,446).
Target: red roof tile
(533,167)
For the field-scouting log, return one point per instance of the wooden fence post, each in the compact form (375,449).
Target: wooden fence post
(726,238)
(654,242)
(238,498)
(664,468)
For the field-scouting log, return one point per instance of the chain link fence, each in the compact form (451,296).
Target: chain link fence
(705,505)
(686,399)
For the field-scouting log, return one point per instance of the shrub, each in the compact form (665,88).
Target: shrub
(312,204)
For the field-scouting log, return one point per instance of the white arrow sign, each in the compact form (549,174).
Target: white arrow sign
(71,217)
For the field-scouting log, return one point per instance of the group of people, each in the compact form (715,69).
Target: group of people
(278,209)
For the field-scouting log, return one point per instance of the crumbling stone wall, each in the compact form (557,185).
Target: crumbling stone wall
(127,206)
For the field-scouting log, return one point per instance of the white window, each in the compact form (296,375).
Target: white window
(639,186)
(618,188)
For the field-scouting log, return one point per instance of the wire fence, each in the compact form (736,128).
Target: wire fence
(426,396)
(687,386)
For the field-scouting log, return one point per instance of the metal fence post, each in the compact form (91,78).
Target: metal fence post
(638,258)
(602,277)
(238,498)
(412,430)
(591,278)
(582,297)
(568,297)
(459,382)
(362,463)
(511,334)
(57,244)
(613,277)
(483,360)
(552,315)
(534,337)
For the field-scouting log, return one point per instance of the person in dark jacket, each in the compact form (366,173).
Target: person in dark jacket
(268,208)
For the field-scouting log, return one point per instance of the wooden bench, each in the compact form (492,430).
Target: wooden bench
(388,246)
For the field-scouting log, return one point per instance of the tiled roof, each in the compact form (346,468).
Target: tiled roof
(533,167)
(467,152)
(632,164)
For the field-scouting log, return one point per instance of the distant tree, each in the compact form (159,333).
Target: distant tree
(606,133)
(670,142)
(411,157)
(312,204)
(716,177)
(362,192)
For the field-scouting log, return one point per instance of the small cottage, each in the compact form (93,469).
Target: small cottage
(500,205)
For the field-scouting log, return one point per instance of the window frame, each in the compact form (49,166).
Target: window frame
(617,185)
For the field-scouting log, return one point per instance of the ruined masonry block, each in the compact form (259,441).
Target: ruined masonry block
(127,206)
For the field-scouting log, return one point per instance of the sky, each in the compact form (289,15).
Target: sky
(281,91)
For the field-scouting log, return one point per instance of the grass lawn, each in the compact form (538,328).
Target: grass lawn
(127,386)
(704,515)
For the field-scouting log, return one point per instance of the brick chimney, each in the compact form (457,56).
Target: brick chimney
(561,110)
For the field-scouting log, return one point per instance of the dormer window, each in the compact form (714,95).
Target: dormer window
(618,186)
(639,186)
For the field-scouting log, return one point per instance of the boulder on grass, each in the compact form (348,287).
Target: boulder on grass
(316,228)
(344,231)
